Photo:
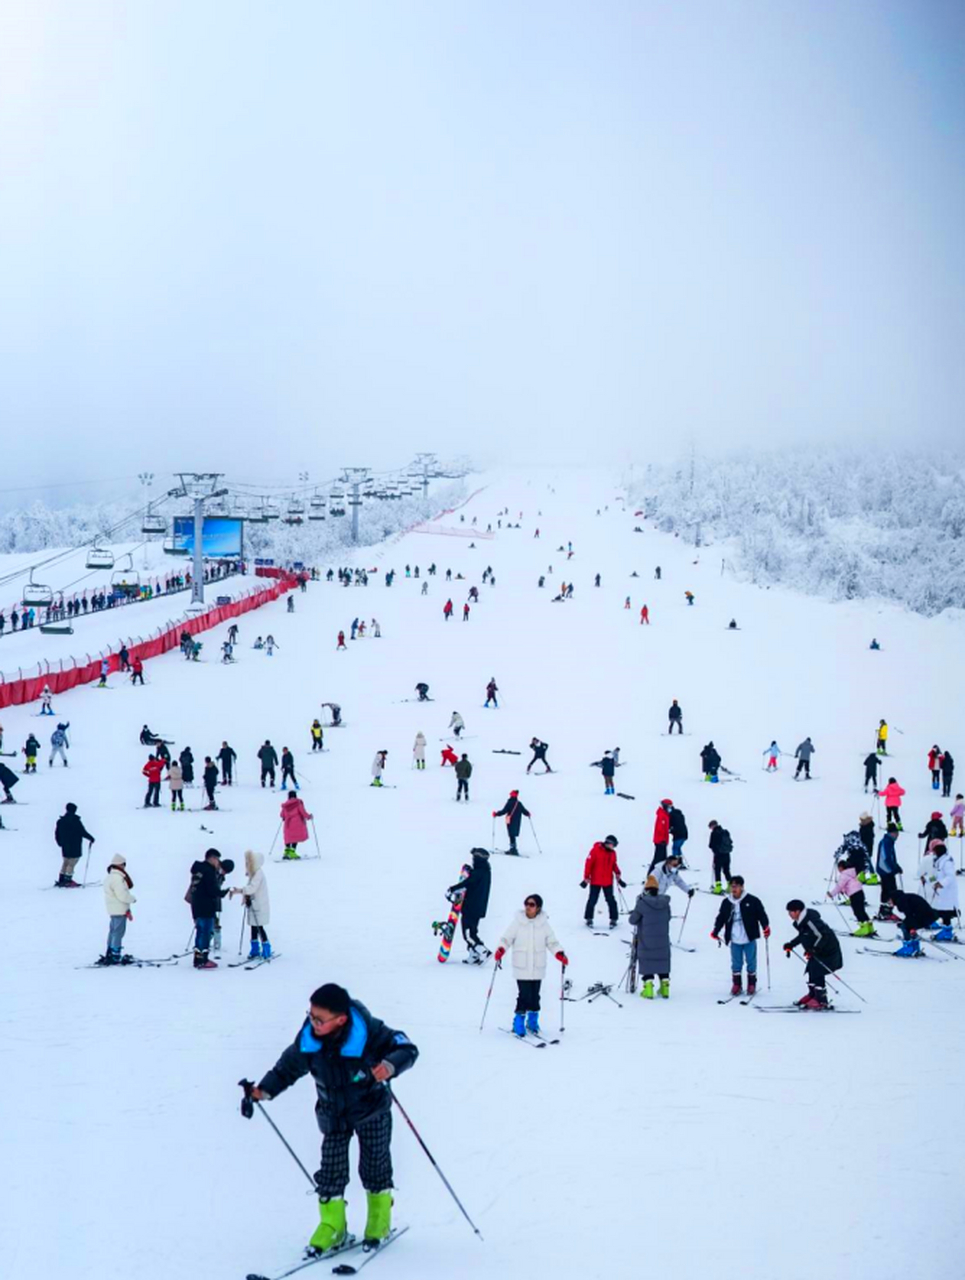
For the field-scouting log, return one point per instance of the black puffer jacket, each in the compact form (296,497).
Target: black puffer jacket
(69,833)
(341,1064)
(678,825)
(206,893)
(818,939)
(475,903)
(752,913)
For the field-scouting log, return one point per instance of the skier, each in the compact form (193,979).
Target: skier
(539,750)
(948,771)
(656,573)
(491,691)
(941,885)
(233,633)
(651,919)
(152,771)
(678,831)
(772,753)
(866,833)
(957,815)
(378,767)
(882,744)
(849,886)
(892,797)
(743,919)
(710,760)
(448,756)
(935,829)
(530,935)
(288,769)
(271,644)
(8,779)
(661,832)
(124,657)
(475,902)
(626,603)
(259,643)
(351,1056)
(822,948)
(295,820)
(874,644)
(148,738)
(422,689)
(599,872)
(317,735)
(30,749)
(210,780)
(227,651)
(425,588)
(608,769)
(667,873)
(463,774)
(514,811)
(690,596)
(176,785)
(465,613)
(419,750)
(447,609)
(255,897)
(888,868)
(117,899)
(187,766)
(934,766)
(291,604)
(70,833)
(803,753)
(456,724)
(721,846)
(675,716)
(336,711)
(46,697)
(596,580)
(105,668)
(376,629)
(227,757)
(269,761)
(871,762)
(917,914)
(644,615)
(205,898)
(732,625)
(341,642)
(137,671)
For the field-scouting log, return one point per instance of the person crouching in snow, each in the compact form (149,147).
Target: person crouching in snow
(531,936)
(651,917)
(448,757)
(255,894)
(378,768)
(295,821)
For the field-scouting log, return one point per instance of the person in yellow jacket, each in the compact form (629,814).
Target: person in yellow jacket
(882,738)
(318,736)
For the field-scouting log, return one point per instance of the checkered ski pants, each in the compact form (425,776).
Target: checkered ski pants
(375,1157)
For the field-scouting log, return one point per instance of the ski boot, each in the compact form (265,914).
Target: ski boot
(519,1025)
(266,950)
(201,961)
(865,930)
(532,1022)
(885,913)
(717,888)
(945,933)
(646,991)
(664,991)
(751,983)
(815,999)
(331,1230)
(614,923)
(255,952)
(378,1223)
(588,923)
(736,986)
(911,948)
(290,854)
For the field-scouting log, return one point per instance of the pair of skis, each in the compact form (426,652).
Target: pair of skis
(532,1038)
(343,1269)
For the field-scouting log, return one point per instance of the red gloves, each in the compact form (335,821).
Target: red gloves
(494,813)
(715,938)
(500,952)
(767,931)
(561,956)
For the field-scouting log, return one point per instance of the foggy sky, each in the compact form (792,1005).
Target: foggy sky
(270,236)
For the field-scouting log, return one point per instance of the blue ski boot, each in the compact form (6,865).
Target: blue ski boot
(944,934)
(910,948)
(255,951)
(266,950)
(519,1026)
(532,1022)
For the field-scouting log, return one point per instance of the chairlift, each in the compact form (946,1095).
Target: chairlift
(174,547)
(271,511)
(154,524)
(100,558)
(56,629)
(254,517)
(129,579)
(36,595)
(316,507)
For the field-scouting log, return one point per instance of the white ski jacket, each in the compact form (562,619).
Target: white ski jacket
(117,896)
(530,940)
(256,890)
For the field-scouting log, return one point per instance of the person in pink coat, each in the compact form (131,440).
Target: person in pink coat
(295,822)
(892,797)
(849,886)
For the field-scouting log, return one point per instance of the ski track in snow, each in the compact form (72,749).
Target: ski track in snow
(122,1102)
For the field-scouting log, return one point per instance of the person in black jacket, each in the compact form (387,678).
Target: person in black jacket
(608,767)
(710,760)
(822,949)
(678,832)
(210,779)
(352,1056)
(948,772)
(288,767)
(227,757)
(935,829)
(205,897)
(269,761)
(721,846)
(514,811)
(70,833)
(871,763)
(918,914)
(743,919)
(187,766)
(676,717)
(475,903)
(539,750)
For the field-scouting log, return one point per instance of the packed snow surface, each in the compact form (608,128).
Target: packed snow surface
(669,1137)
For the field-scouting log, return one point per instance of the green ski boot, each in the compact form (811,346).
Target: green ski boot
(646,991)
(378,1224)
(865,930)
(331,1230)
(665,988)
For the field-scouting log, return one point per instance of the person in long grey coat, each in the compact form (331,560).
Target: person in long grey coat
(651,916)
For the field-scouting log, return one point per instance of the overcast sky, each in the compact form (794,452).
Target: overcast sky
(261,237)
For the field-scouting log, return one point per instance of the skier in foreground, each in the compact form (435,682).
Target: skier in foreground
(352,1057)
(530,935)
(822,949)
(743,919)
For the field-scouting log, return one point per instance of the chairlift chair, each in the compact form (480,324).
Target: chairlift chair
(127,578)
(100,558)
(174,547)
(36,595)
(154,524)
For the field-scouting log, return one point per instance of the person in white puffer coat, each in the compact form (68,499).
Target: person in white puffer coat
(531,936)
(419,750)
(255,894)
(941,887)
(117,900)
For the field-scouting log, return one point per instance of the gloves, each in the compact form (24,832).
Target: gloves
(128,914)
(691,892)
(622,883)
(583,884)
(716,939)
(494,813)
(767,931)
(561,956)
(500,952)
(807,955)
(788,948)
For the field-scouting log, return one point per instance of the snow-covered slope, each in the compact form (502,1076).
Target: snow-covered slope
(676,1137)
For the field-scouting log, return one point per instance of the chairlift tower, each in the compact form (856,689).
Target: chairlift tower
(355,477)
(429,463)
(200,487)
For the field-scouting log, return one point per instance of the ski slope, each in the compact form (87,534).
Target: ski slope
(672,1137)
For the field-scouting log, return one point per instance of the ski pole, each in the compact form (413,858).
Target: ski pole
(938,947)
(833,976)
(492,840)
(562,997)
(492,983)
(684,921)
(318,849)
(241,936)
(273,839)
(90,845)
(247,1105)
(844,918)
(535,836)
(767,957)
(446,1182)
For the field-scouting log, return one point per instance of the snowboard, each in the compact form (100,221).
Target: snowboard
(447,928)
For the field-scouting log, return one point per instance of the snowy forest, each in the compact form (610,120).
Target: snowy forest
(839,523)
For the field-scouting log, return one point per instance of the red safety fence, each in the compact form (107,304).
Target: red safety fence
(16,692)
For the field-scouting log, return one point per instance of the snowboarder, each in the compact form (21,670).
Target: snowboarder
(118,900)
(539,750)
(651,919)
(456,724)
(419,750)
(675,716)
(530,935)
(514,811)
(849,886)
(70,833)
(152,771)
(227,757)
(871,762)
(463,774)
(176,785)
(269,762)
(732,625)
(210,780)
(882,744)
(743,919)
(378,768)
(204,896)
(351,1056)
(721,847)
(948,771)
(773,752)
(892,797)
(710,761)
(803,753)
(820,946)
(599,872)
(295,820)
(422,689)
(475,902)
(318,737)
(661,832)
(288,769)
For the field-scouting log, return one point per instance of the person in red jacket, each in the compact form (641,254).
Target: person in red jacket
(137,671)
(661,832)
(447,610)
(152,771)
(341,642)
(935,766)
(448,756)
(645,616)
(599,872)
